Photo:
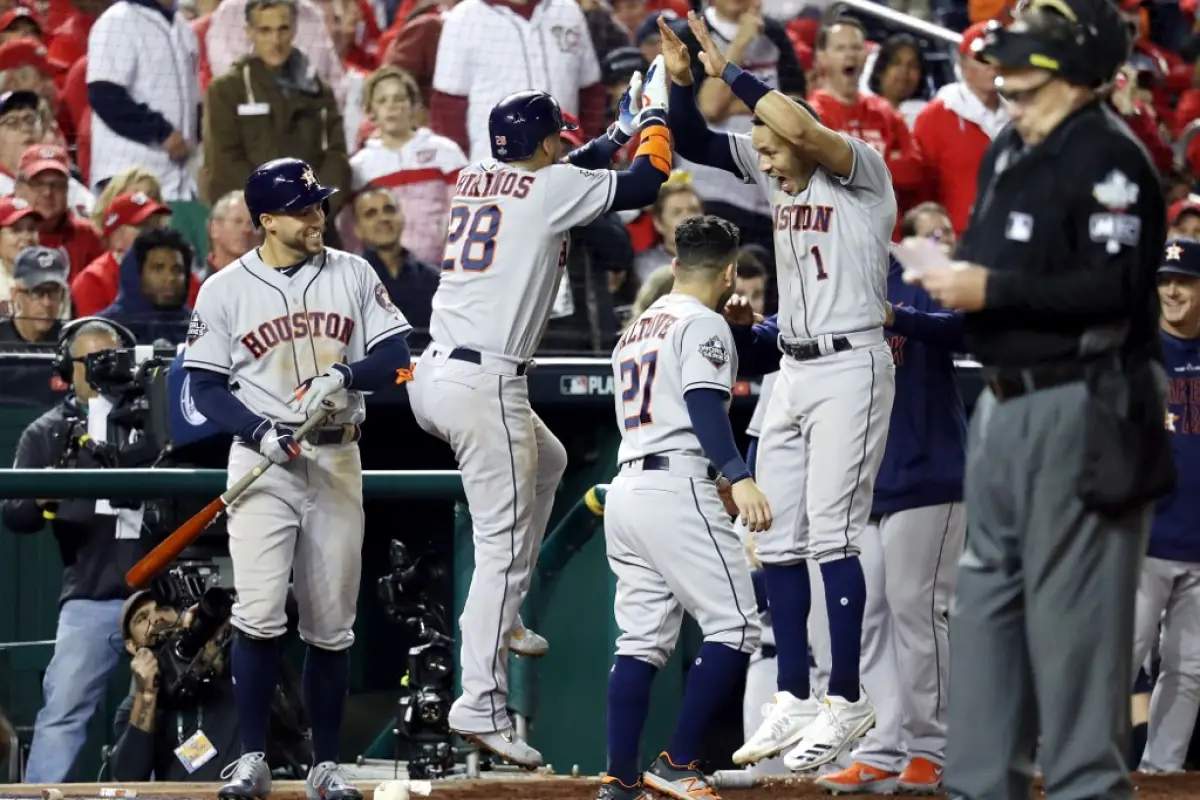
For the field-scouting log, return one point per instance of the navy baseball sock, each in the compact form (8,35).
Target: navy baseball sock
(325,681)
(789,596)
(629,685)
(255,670)
(713,675)
(845,597)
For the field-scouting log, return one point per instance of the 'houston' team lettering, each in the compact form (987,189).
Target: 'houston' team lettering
(802,217)
(654,327)
(490,184)
(317,324)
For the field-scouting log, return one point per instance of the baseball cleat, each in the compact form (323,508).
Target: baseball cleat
(838,723)
(525,642)
(508,746)
(682,783)
(785,719)
(248,778)
(921,776)
(326,781)
(613,789)
(859,778)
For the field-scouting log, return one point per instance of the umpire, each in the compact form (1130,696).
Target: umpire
(1067,449)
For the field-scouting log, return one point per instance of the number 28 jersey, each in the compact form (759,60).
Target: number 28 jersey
(677,345)
(506,250)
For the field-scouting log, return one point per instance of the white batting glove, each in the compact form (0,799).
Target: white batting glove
(644,102)
(279,444)
(625,127)
(317,392)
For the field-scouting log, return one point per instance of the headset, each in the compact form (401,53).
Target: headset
(63,364)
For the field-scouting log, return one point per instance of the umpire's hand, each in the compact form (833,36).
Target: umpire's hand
(279,444)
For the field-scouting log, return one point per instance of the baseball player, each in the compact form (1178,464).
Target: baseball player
(825,429)
(289,330)
(1169,587)
(506,251)
(676,365)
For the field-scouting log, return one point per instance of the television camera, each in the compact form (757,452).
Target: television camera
(185,659)
(406,594)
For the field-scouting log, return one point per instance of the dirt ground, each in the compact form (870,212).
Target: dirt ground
(549,788)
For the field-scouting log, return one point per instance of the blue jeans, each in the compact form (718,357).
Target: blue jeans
(87,647)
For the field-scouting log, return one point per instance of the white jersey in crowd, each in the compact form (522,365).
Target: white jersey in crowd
(158,63)
(676,345)
(270,332)
(506,252)
(80,199)
(488,52)
(421,174)
(831,243)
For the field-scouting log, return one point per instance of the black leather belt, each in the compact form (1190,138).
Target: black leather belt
(338,434)
(769,651)
(811,348)
(475,357)
(1009,383)
(663,463)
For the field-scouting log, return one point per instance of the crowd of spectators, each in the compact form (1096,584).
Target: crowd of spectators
(119,118)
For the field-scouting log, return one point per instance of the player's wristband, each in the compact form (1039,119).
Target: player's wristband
(745,87)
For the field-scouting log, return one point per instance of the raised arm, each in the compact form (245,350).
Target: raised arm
(784,117)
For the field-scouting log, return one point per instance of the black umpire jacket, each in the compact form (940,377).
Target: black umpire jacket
(1071,231)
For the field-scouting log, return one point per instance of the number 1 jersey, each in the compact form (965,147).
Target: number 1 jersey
(677,345)
(506,251)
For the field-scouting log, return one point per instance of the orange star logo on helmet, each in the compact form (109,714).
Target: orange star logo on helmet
(309,179)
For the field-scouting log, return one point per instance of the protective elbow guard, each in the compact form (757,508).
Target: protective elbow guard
(655,144)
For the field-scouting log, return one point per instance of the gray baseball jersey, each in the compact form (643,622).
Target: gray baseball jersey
(831,242)
(676,345)
(506,250)
(270,332)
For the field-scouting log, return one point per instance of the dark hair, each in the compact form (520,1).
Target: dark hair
(908,226)
(155,238)
(706,243)
(887,54)
(749,266)
(255,5)
(830,24)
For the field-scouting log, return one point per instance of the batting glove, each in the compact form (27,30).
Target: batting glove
(316,392)
(643,103)
(279,444)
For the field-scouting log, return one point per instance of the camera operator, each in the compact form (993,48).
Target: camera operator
(171,739)
(96,551)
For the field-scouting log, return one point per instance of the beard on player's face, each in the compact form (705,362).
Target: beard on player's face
(303,232)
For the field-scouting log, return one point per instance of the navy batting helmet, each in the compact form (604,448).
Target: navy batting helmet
(521,121)
(284,186)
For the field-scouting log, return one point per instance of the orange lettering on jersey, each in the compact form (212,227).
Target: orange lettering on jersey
(300,325)
(803,217)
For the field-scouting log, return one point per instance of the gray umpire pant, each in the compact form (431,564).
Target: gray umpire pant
(1041,625)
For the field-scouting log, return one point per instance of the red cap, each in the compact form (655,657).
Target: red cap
(1189,204)
(131,208)
(572,136)
(26,52)
(39,158)
(970,36)
(13,14)
(13,210)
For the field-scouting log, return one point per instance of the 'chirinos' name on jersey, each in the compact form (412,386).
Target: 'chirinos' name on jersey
(803,217)
(314,324)
(502,183)
(654,327)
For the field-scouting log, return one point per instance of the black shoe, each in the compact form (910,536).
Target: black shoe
(613,789)
(326,782)
(683,783)
(249,778)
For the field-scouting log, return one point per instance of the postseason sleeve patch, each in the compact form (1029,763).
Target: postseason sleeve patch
(385,300)
(196,327)
(714,352)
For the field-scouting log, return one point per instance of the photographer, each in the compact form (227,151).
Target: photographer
(173,739)
(96,550)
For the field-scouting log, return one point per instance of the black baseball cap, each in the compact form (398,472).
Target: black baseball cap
(10,101)
(1182,257)
(36,266)
(621,63)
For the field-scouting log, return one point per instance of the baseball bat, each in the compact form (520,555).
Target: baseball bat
(154,562)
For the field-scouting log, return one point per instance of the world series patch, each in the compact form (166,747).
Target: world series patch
(196,327)
(714,352)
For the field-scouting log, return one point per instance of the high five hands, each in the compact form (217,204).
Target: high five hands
(675,52)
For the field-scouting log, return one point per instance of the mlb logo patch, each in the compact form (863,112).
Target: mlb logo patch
(574,385)
(1019,228)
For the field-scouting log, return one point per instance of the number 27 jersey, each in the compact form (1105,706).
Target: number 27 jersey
(506,250)
(677,345)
